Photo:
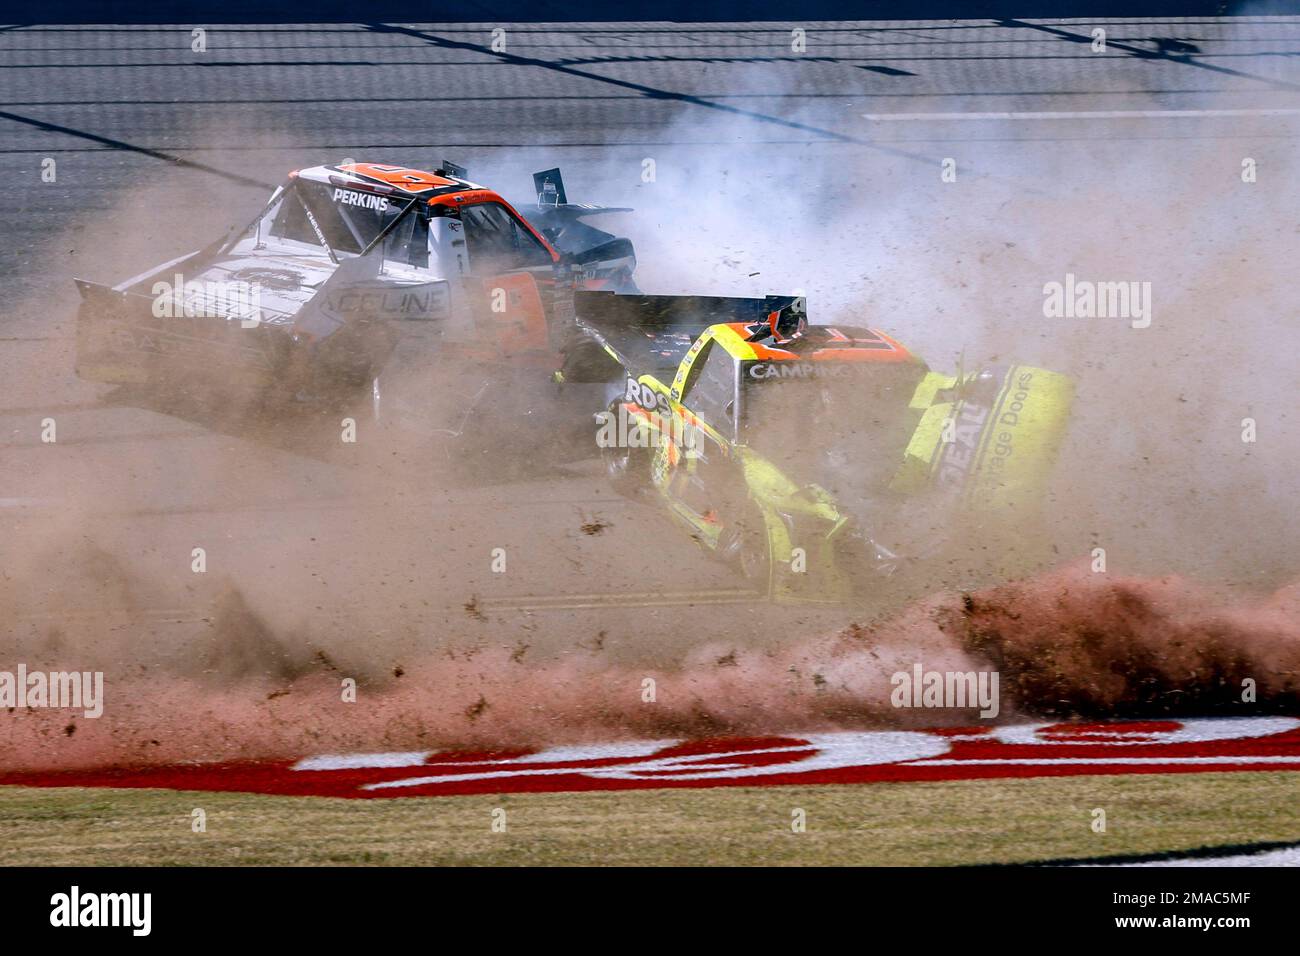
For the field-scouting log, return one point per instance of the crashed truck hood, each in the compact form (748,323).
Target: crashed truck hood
(285,283)
(289,285)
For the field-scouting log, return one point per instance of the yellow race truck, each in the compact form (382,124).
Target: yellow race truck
(829,463)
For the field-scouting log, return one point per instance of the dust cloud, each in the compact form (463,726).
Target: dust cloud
(1199,528)
(1067,644)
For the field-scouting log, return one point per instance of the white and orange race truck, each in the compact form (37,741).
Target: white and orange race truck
(348,282)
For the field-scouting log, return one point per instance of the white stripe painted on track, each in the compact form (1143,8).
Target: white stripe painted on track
(1081,115)
(1062,761)
(1286,856)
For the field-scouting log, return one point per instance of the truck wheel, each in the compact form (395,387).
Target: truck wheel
(627,469)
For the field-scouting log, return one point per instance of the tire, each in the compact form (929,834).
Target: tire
(627,470)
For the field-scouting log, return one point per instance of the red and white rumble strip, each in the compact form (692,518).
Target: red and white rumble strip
(1023,750)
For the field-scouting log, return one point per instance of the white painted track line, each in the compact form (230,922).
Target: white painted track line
(1080,115)
(1287,856)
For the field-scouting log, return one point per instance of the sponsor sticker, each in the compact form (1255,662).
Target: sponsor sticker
(350,197)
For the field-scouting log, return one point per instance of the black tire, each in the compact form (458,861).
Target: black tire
(627,469)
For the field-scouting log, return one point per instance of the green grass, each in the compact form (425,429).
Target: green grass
(985,821)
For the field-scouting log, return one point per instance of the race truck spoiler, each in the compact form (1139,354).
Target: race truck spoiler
(565,227)
(650,333)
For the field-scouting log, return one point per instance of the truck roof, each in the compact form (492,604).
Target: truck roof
(751,341)
(387,179)
(654,332)
(439,188)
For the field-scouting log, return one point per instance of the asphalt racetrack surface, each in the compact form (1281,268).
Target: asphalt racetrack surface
(757,162)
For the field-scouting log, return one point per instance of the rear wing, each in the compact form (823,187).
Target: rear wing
(562,222)
(121,340)
(652,333)
(553,200)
